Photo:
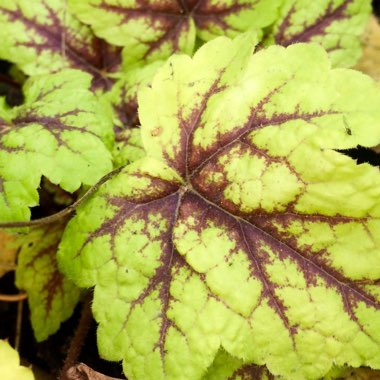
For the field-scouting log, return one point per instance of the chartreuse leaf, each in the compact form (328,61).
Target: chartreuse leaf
(335,24)
(243,228)
(51,297)
(154,29)
(43,37)
(10,368)
(61,132)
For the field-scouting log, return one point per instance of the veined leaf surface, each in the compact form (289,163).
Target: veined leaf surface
(61,132)
(243,228)
(336,25)
(226,367)
(128,147)
(42,36)
(154,29)
(51,297)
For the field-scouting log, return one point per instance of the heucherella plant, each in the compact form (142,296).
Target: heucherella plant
(153,30)
(244,228)
(121,44)
(240,242)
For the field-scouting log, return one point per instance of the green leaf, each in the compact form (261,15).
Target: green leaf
(243,228)
(336,25)
(10,368)
(154,29)
(128,147)
(61,132)
(123,96)
(123,100)
(226,367)
(43,37)
(51,297)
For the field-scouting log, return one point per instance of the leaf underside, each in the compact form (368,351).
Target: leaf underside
(51,297)
(243,228)
(336,25)
(43,37)
(61,132)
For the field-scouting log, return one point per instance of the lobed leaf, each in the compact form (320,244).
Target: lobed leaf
(153,29)
(51,296)
(10,364)
(61,132)
(243,228)
(336,25)
(43,37)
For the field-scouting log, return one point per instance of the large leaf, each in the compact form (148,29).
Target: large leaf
(243,227)
(51,297)
(10,368)
(61,132)
(42,37)
(154,29)
(336,25)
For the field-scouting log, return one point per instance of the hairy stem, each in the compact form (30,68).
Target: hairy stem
(65,212)
(78,339)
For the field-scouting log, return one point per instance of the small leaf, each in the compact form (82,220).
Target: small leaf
(43,37)
(51,297)
(128,147)
(10,368)
(153,29)
(243,227)
(61,132)
(336,25)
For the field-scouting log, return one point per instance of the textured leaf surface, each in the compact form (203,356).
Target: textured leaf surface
(42,37)
(243,227)
(336,24)
(10,368)
(128,147)
(52,298)
(154,29)
(61,132)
